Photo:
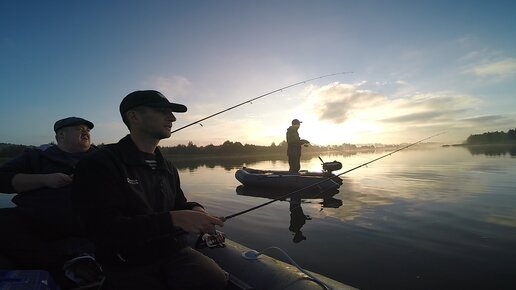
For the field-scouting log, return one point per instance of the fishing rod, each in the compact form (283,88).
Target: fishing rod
(259,97)
(325,180)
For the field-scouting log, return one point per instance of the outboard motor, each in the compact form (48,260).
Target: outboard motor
(328,167)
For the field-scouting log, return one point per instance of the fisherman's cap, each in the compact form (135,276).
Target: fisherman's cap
(149,98)
(296,122)
(71,121)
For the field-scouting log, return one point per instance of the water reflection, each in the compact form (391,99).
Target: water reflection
(326,198)
(420,209)
(430,175)
(493,150)
(297,218)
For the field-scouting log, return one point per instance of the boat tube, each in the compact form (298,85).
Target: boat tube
(247,270)
(287,180)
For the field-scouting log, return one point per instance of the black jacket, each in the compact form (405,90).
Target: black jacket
(293,141)
(47,206)
(125,204)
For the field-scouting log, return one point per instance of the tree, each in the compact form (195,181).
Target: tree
(493,138)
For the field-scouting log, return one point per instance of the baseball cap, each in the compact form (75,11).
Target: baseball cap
(296,122)
(71,121)
(149,98)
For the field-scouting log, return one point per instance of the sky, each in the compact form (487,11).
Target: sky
(418,68)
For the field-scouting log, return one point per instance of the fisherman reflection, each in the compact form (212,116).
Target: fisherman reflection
(297,218)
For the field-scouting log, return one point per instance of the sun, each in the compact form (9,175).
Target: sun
(352,131)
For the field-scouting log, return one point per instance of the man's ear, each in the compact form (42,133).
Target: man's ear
(131,116)
(59,134)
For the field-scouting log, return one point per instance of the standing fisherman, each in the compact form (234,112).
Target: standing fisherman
(294,146)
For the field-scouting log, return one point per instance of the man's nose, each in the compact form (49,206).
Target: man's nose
(172,117)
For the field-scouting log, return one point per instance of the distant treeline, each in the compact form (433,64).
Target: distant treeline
(10,150)
(226,148)
(493,138)
(229,147)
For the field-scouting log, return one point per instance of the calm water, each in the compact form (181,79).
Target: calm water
(439,218)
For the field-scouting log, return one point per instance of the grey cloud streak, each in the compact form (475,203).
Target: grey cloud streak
(340,102)
(337,103)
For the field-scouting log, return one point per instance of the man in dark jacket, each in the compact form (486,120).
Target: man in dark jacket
(294,146)
(42,231)
(132,204)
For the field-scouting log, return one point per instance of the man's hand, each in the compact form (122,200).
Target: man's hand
(195,221)
(199,209)
(26,182)
(56,180)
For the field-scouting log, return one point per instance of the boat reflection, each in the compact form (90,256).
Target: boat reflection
(327,197)
(297,217)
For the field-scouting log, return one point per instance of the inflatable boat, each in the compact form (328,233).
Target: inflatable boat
(249,269)
(321,181)
(278,179)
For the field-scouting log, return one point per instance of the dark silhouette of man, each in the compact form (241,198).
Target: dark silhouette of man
(42,231)
(130,199)
(294,146)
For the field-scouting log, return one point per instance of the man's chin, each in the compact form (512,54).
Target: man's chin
(164,135)
(85,145)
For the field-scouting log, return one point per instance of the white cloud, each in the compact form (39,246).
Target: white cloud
(499,68)
(369,115)
(338,103)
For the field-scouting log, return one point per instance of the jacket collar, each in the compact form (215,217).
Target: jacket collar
(55,154)
(133,156)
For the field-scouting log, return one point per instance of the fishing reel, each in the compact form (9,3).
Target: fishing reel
(215,240)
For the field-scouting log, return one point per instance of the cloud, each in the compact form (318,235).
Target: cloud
(336,103)
(489,122)
(415,117)
(500,68)
(174,86)
(483,119)
(370,116)
(434,105)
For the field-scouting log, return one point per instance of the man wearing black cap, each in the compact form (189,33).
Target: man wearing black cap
(132,204)
(42,231)
(56,163)
(294,146)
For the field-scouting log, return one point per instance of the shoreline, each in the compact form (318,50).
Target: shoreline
(481,145)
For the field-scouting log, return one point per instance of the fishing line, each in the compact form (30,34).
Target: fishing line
(256,98)
(325,180)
